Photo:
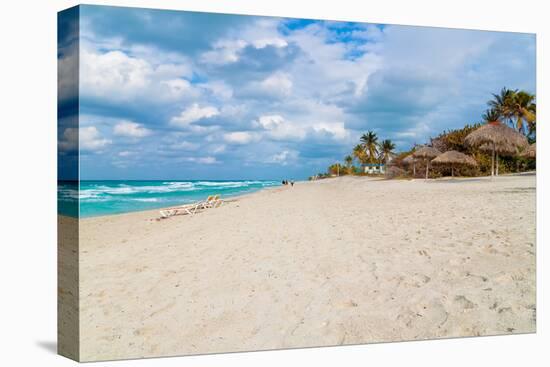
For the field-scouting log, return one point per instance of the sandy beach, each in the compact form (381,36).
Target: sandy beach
(338,261)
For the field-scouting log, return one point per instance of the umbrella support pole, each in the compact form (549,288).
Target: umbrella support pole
(452,171)
(497,165)
(427,168)
(493,162)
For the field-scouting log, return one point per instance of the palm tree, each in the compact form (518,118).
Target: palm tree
(491,115)
(386,149)
(369,141)
(524,109)
(516,105)
(335,169)
(359,153)
(349,160)
(502,103)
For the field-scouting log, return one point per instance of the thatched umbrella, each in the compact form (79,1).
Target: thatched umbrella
(530,152)
(408,160)
(426,153)
(454,158)
(496,135)
(505,150)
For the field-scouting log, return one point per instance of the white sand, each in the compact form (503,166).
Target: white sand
(338,261)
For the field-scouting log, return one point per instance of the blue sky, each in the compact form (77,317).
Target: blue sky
(184,95)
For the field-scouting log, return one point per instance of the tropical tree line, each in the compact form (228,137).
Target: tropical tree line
(369,150)
(515,108)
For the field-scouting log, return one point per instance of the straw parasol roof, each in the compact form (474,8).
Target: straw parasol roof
(455,158)
(408,159)
(497,136)
(530,152)
(496,133)
(504,150)
(426,153)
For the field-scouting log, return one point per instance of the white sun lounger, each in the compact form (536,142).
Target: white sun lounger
(184,209)
(213,201)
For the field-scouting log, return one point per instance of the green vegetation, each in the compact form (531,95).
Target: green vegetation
(516,108)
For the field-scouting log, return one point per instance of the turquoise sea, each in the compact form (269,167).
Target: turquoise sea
(97,198)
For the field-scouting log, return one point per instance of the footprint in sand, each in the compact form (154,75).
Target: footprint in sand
(419,280)
(464,302)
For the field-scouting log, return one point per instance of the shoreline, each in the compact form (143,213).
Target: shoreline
(230,197)
(353,177)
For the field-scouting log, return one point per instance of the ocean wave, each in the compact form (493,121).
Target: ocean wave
(109,197)
(156,192)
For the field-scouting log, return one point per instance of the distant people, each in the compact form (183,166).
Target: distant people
(291,183)
(283,182)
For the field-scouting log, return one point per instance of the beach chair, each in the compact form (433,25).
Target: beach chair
(217,201)
(211,203)
(208,202)
(183,209)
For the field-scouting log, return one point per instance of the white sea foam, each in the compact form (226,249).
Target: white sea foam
(102,192)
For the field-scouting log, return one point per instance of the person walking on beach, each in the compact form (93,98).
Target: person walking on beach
(291,183)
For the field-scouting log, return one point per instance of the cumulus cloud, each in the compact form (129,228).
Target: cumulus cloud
(84,138)
(185,145)
(239,137)
(283,158)
(131,129)
(125,78)
(278,84)
(194,113)
(265,91)
(278,128)
(202,160)
(335,129)
(91,140)
(261,34)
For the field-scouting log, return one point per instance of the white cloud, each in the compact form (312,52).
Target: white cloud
(283,158)
(217,149)
(279,129)
(202,160)
(223,52)
(130,129)
(310,85)
(239,137)
(269,122)
(370,33)
(91,140)
(177,88)
(185,145)
(207,160)
(336,129)
(194,113)
(84,138)
(259,35)
(219,89)
(278,84)
(125,78)
(264,42)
